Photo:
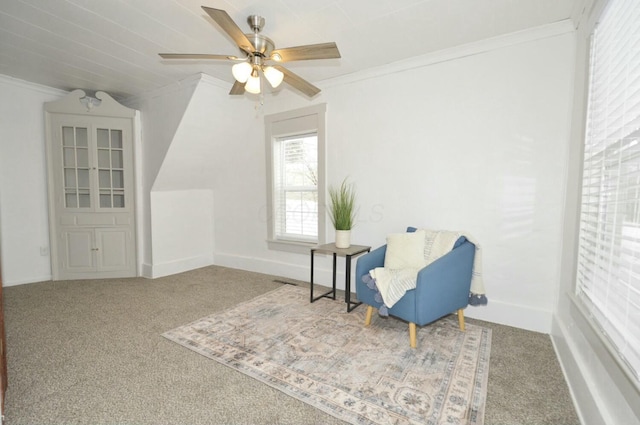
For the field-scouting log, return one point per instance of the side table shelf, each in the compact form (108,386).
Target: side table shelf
(349,253)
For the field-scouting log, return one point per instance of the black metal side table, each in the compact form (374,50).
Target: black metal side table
(348,253)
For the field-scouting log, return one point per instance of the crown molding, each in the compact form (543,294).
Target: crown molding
(6,79)
(457,52)
(189,83)
(72,104)
(216,82)
(587,12)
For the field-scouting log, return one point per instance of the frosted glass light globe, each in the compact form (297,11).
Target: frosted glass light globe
(273,75)
(253,85)
(241,71)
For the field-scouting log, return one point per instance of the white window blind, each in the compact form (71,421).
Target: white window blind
(296,187)
(608,275)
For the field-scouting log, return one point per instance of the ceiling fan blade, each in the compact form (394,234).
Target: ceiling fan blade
(195,56)
(238,88)
(298,82)
(310,51)
(223,19)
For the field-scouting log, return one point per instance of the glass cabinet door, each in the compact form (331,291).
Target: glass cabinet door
(110,168)
(75,151)
(80,151)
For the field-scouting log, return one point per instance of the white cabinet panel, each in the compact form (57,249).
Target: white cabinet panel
(86,252)
(77,248)
(113,249)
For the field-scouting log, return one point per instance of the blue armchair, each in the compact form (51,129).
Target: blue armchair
(442,287)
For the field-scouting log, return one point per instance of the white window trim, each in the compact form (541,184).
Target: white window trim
(598,337)
(319,111)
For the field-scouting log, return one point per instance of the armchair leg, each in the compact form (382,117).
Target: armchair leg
(412,334)
(367,319)
(461,319)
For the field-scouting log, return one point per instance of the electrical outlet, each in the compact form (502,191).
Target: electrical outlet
(44,250)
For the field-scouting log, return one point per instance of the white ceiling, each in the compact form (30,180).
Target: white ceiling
(113,45)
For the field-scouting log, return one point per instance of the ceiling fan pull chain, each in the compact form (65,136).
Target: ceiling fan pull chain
(259,103)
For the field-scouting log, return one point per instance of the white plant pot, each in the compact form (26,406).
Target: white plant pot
(343,238)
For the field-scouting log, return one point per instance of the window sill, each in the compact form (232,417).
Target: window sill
(604,349)
(291,246)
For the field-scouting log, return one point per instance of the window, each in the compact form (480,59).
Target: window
(295,171)
(608,275)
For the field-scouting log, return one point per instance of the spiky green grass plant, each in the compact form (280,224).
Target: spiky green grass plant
(343,206)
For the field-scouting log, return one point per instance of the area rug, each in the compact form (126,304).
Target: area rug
(326,357)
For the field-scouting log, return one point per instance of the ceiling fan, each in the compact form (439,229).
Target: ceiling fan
(258,51)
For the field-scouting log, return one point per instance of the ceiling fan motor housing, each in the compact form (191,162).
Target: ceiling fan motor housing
(263,45)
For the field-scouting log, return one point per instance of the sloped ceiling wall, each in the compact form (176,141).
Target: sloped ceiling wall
(185,134)
(210,120)
(162,113)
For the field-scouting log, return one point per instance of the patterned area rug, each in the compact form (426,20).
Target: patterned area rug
(327,358)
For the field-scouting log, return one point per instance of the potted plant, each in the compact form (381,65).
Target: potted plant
(342,212)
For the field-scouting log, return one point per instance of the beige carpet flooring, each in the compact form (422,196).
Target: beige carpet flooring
(90,352)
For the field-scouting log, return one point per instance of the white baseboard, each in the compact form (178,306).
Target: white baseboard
(44,278)
(603,394)
(153,271)
(146,271)
(518,316)
(581,391)
(496,311)
(323,270)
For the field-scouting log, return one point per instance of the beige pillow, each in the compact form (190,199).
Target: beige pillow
(405,251)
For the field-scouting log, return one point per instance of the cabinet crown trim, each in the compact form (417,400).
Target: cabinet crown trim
(79,103)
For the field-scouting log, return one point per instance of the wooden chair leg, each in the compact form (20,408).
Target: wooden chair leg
(367,319)
(412,334)
(461,319)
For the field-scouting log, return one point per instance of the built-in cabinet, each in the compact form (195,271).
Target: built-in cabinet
(91,187)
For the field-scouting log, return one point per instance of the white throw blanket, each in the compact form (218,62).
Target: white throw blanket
(394,283)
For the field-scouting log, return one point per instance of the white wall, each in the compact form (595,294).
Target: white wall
(186,131)
(184,127)
(603,393)
(481,146)
(182,222)
(161,114)
(478,145)
(23,181)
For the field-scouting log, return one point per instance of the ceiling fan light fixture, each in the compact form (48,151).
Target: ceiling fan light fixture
(258,49)
(253,83)
(242,71)
(273,75)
